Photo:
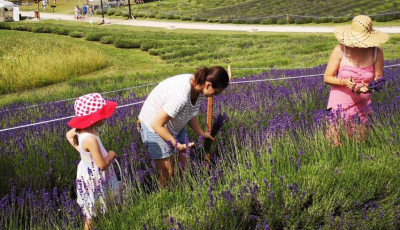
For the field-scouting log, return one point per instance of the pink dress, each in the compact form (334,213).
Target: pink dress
(346,103)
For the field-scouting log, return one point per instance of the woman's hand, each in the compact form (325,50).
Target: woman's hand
(349,83)
(182,147)
(363,88)
(208,136)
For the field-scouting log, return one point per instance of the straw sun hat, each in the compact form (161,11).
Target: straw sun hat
(360,33)
(90,109)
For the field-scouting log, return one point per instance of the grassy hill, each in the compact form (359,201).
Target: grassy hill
(271,11)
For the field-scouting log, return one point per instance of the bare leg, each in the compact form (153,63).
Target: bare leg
(88,224)
(165,169)
(182,162)
(332,135)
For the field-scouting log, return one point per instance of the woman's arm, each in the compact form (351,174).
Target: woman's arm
(378,65)
(90,143)
(333,67)
(158,125)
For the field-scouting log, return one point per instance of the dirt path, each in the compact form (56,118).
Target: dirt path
(204,26)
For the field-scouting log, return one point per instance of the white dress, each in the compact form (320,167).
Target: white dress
(94,187)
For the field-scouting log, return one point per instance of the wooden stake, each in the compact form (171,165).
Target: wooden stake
(230,72)
(209,125)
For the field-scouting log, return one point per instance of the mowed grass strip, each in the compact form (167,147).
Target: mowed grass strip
(41,60)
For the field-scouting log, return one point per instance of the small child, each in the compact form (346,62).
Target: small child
(96,181)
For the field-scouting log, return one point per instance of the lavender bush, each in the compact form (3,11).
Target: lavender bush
(273,167)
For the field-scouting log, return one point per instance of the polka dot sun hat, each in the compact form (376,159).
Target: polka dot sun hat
(89,109)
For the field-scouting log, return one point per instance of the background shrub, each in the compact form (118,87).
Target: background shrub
(94,36)
(111,11)
(186,18)
(322,20)
(41,29)
(268,21)
(20,27)
(107,40)
(77,34)
(281,21)
(118,12)
(126,43)
(126,14)
(4,26)
(61,31)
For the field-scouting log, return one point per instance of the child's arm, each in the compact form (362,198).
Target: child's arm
(90,143)
(70,137)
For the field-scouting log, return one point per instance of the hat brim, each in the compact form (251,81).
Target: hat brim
(83,122)
(350,38)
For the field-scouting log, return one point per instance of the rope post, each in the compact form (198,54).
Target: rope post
(209,125)
(287,19)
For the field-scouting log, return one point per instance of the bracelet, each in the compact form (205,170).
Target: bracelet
(341,82)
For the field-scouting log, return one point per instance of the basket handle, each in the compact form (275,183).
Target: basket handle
(120,170)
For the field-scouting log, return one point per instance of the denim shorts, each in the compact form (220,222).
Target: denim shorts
(156,146)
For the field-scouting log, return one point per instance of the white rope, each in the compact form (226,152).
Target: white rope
(275,79)
(279,68)
(285,78)
(268,68)
(387,66)
(103,93)
(60,119)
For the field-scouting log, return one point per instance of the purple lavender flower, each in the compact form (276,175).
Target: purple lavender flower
(376,85)
(219,121)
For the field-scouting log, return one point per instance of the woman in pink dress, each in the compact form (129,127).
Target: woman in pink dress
(351,66)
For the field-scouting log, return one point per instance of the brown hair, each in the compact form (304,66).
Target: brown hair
(216,75)
(76,142)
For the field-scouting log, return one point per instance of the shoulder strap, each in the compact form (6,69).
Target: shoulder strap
(375,53)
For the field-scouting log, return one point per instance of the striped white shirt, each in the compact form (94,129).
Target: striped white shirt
(172,95)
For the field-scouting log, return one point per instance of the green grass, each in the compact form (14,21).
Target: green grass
(43,60)
(163,53)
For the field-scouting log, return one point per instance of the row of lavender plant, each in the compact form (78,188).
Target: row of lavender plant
(273,169)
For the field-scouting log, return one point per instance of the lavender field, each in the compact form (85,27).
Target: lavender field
(272,165)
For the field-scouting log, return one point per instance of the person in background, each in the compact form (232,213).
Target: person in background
(76,10)
(96,181)
(171,105)
(85,10)
(352,65)
(44,5)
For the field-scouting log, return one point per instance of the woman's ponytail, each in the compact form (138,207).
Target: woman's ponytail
(201,75)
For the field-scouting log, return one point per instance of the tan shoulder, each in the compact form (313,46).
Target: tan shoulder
(338,50)
(90,142)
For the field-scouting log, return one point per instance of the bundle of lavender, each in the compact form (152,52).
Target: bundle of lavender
(219,121)
(375,86)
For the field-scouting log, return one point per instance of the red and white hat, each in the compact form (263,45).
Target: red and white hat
(90,109)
